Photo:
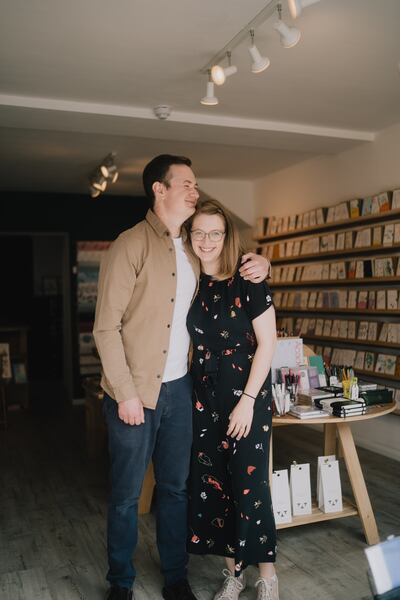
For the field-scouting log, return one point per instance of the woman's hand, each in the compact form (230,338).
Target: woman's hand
(241,418)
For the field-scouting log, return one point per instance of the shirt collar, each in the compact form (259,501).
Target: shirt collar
(159,226)
(156,223)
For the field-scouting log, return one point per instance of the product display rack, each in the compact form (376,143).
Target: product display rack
(276,247)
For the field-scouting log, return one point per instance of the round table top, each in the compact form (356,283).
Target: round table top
(372,412)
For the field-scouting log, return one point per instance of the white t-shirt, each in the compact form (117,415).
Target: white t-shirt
(177,358)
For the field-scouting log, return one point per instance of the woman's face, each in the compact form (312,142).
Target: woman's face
(207,237)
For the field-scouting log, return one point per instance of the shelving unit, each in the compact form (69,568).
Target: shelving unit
(15,392)
(293,293)
(89,255)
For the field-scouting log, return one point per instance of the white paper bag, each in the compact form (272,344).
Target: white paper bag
(331,488)
(322,460)
(300,489)
(281,497)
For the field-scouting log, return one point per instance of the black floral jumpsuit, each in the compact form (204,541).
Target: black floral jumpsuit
(230,510)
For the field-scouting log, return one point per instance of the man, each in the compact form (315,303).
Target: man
(146,285)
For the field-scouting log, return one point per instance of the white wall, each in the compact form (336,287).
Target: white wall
(237,195)
(362,171)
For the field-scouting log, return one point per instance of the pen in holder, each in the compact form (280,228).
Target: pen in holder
(281,398)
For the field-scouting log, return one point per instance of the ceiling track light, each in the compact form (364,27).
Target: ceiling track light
(209,99)
(296,6)
(260,63)
(290,36)
(106,172)
(219,74)
(94,193)
(99,182)
(108,167)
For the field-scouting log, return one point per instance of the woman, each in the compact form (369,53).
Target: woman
(232,325)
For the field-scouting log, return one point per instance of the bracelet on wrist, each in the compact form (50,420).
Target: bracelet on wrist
(248,395)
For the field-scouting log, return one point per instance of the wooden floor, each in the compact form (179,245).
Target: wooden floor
(52,522)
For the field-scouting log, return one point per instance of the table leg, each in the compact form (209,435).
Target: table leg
(358,484)
(329,439)
(146,494)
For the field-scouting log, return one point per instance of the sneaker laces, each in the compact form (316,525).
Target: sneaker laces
(265,588)
(231,587)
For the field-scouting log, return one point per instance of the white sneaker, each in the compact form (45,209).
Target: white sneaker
(231,587)
(267,589)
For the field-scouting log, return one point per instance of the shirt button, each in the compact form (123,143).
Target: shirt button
(173,274)
(170,249)
(168,326)
(172,299)
(158,376)
(164,352)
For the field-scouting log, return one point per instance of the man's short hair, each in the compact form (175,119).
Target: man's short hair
(157,170)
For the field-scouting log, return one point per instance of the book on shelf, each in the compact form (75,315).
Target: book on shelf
(369,362)
(396,236)
(340,241)
(377,236)
(396,199)
(260,229)
(320,216)
(372,331)
(393,334)
(366,206)
(359,360)
(362,299)
(371,300)
(375,208)
(362,333)
(388,235)
(386,363)
(355,208)
(352,299)
(384,202)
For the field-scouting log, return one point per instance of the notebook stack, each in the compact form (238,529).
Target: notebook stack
(348,408)
(306,412)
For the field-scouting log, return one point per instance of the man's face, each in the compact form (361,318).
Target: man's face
(179,199)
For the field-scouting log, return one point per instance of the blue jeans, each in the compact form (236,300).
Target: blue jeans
(166,436)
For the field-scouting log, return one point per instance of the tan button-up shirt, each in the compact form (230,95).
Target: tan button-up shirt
(135,304)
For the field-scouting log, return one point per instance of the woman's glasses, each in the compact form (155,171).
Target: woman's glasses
(213,236)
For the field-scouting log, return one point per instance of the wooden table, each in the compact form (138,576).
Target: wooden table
(338,430)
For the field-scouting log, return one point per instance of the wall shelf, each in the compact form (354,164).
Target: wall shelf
(335,225)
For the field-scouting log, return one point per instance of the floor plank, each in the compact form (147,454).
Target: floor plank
(53,503)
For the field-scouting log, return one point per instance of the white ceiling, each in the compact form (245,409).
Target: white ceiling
(80,78)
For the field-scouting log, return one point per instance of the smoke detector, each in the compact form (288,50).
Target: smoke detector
(162,111)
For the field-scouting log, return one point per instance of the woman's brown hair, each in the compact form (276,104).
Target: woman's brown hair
(232,249)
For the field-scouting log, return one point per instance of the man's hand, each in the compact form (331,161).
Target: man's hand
(131,411)
(255,267)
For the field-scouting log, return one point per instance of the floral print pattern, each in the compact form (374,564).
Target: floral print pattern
(230,509)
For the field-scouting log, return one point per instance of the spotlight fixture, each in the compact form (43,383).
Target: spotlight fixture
(296,6)
(209,99)
(260,63)
(105,173)
(94,192)
(108,168)
(290,36)
(219,74)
